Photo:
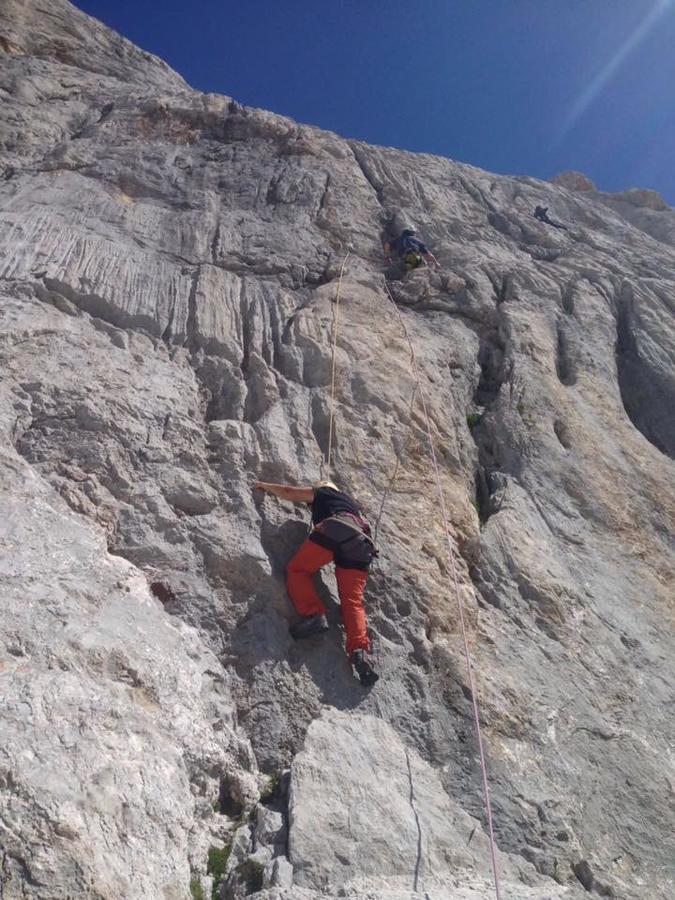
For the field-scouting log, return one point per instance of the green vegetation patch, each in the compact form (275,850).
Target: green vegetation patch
(269,793)
(196,889)
(216,865)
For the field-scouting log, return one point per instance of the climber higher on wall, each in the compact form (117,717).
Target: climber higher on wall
(341,535)
(410,250)
(541,213)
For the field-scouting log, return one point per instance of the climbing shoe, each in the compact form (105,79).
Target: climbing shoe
(367,675)
(309,626)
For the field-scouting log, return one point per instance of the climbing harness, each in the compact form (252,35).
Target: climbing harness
(325,465)
(455,579)
(352,546)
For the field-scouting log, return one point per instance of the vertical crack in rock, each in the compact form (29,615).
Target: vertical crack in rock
(418,860)
(378,188)
(215,244)
(494,371)
(323,202)
(504,291)
(494,358)
(564,361)
(276,353)
(106,112)
(584,874)
(647,392)
(562,432)
(319,423)
(567,297)
(244,314)
(192,324)
(167,334)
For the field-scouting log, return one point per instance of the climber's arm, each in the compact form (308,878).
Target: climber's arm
(287,491)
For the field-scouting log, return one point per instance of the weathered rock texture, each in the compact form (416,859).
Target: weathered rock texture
(168,265)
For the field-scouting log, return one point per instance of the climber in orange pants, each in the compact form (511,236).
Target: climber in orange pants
(341,535)
(351,583)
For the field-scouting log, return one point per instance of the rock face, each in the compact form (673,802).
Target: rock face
(644,199)
(366,812)
(573,181)
(108,707)
(168,270)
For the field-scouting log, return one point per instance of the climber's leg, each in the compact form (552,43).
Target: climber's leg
(299,578)
(351,585)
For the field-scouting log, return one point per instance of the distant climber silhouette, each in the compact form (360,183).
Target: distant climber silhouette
(411,251)
(340,534)
(541,213)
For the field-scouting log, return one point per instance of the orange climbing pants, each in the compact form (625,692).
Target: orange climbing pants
(351,584)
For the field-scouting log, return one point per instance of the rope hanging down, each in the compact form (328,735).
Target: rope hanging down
(336,327)
(460,604)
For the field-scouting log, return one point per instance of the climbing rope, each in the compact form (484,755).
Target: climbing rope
(325,466)
(455,579)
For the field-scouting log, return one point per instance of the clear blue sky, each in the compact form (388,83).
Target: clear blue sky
(514,86)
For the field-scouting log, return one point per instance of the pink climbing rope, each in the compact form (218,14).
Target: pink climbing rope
(460,604)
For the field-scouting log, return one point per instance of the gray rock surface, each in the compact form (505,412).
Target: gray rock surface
(367,813)
(116,719)
(168,271)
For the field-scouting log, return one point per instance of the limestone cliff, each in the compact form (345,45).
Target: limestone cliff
(168,271)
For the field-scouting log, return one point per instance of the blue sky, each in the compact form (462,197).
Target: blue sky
(514,86)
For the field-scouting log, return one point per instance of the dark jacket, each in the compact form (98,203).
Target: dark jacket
(339,526)
(408,243)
